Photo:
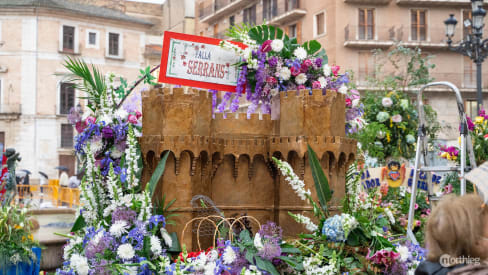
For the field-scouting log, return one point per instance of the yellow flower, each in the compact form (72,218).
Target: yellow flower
(23,238)
(479,120)
(31,237)
(444,155)
(388,137)
(17,226)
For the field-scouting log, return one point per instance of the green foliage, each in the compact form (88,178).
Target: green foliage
(321,183)
(235,32)
(79,224)
(161,208)
(262,33)
(16,239)
(158,172)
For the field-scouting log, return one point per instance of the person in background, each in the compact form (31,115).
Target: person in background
(74,182)
(457,229)
(63,179)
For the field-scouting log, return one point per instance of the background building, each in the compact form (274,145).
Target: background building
(36,36)
(350,29)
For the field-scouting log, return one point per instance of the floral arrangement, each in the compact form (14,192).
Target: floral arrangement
(273,62)
(16,239)
(116,231)
(391,128)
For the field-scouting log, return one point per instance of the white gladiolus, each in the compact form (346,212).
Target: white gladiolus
(309,225)
(156,248)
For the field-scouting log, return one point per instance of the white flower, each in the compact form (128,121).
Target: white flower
(300,53)
(166,237)
(257,242)
(309,225)
(116,153)
(107,119)
(229,255)
(155,245)
(126,251)
(96,145)
(403,250)
(274,92)
(252,63)
(343,89)
(247,53)
(296,184)
(15,259)
(327,70)
(301,79)
(213,255)
(323,82)
(390,215)
(79,264)
(253,270)
(122,114)
(386,102)
(118,228)
(127,200)
(210,268)
(285,73)
(355,102)
(277,45)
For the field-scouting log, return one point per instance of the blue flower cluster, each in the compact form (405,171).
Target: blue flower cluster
(333,229)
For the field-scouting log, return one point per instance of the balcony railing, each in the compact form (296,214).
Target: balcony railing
(221,8)
(366,2)
(386,36)
(444,3)
(287,11)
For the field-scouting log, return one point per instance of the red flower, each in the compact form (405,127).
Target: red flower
(348,102)
(335,70)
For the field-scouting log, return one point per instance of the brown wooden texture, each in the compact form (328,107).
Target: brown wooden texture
(229,158)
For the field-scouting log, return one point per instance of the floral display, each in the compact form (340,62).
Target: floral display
(16,239)
(116,231)
(273,63)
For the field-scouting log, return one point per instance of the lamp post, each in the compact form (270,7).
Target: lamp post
(473,45)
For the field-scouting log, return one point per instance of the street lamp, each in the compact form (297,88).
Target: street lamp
(473,45)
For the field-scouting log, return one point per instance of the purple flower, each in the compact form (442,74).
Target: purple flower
(266,46)
(123,213)
(272,232)
(95,247)
(107,132)
(270,251)
(273,61)
(318,62)
(155,220)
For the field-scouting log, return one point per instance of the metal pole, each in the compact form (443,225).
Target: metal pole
(479,87)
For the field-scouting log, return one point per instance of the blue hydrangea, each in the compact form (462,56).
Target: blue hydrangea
(337,228)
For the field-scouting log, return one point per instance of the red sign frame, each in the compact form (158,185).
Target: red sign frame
(187,82)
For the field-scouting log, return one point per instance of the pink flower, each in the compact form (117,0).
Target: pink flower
(416,206)
(335,70)
(271,80)
(138,114)
(307,62)
(486,137)
(348,102)
(132,119)
(427,211)
(448,189)
(403,221)
(384,189)
(418,223)
(90,120)
(266,46)
(80,126)
(316,85)
(301,87)
(294,71)
(396,118)
(423,216)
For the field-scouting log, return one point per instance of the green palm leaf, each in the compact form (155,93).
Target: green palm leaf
(158,172)
(321,183)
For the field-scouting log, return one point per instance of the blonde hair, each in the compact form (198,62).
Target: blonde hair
(455,227)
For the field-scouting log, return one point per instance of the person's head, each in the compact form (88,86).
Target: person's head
(458,226)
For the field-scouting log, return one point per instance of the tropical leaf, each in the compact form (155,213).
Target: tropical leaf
(79,224)
(312,46)
(264,32)
(321,183)
(158,172)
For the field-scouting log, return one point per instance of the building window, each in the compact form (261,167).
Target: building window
(291,5)
(66,136)
(419,25)
(250,15)
(270,9)
(92,39)
(113,43)
(216,31)
(68,38)
(366,67)
(232,20)
(292,31)
(319,24)
(366,24)
(2,142)
(471,107)
(66,98)
(469,73)
(467,17)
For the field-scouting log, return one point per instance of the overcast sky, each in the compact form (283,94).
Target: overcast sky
(150,1)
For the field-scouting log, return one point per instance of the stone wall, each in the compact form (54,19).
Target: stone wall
(229,158)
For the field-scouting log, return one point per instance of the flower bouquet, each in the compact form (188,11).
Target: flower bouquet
(19,252)
(116,231)
(273,63)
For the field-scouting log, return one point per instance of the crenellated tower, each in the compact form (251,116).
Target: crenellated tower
(228,158)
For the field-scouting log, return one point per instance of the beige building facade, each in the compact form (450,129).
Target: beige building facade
(35,38)
(350,29)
